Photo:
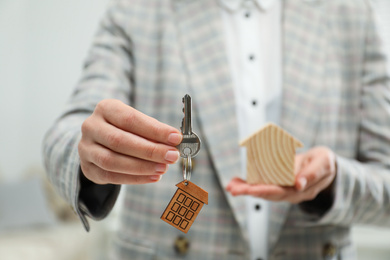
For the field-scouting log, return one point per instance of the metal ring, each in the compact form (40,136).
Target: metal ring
(187,167)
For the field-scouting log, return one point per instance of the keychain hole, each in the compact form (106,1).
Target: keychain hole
(187,151)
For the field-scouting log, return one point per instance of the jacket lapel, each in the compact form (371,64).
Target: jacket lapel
(209,79)
(304,60)
(304,63)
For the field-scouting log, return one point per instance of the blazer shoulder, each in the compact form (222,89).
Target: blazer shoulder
(350,6)
(135,16)
(149,4)
(351,14)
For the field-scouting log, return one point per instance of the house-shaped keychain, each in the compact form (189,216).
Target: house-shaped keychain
(185,205)
(270,156)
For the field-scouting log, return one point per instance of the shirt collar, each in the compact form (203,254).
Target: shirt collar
(234,5)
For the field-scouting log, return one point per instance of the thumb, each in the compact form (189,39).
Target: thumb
(299,158)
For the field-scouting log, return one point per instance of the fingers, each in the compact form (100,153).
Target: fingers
(309,174)
(133,121)
(111,161)
(311,192)
(129,144)
(319,163)
(122,145)
(100,176)
(273,192)
(238,187)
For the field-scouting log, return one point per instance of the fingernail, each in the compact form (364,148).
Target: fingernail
(155,177)
(174,138)
(172,156)
(161,168)
(303,183)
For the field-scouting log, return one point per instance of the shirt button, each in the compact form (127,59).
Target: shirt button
(257,207)
(247,14)
(251,57)
(254,102)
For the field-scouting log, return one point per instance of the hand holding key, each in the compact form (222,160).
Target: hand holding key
(121,145)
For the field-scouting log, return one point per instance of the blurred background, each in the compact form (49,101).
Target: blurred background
(42,47)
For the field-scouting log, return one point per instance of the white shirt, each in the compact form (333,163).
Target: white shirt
(253,43)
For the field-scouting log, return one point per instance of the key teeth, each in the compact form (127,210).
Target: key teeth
(183,110)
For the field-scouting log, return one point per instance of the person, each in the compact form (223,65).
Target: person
(315,68)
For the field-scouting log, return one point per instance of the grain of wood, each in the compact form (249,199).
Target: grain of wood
(270,156)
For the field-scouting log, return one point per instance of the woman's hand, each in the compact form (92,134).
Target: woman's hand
(121,145)
(315,171)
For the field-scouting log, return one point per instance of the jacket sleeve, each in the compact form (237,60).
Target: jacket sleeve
(107,74)
(361,191)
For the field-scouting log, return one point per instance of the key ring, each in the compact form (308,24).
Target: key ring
(187,167)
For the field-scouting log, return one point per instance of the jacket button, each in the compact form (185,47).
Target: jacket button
(328,250)
(181,245)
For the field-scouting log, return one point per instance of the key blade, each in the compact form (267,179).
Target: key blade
(186,127)
(190,145)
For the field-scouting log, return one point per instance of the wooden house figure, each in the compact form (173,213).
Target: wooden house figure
(185,205)
(270,156)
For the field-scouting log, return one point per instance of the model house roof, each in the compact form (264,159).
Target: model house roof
(194,190)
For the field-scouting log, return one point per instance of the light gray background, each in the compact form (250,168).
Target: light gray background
(42,47)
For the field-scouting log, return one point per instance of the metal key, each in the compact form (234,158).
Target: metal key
(190,145)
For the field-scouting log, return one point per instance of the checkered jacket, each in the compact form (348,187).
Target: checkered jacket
(149,53)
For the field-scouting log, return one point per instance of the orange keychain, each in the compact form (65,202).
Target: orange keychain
(185,205)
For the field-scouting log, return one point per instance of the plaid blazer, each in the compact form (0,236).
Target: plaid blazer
(149,53)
